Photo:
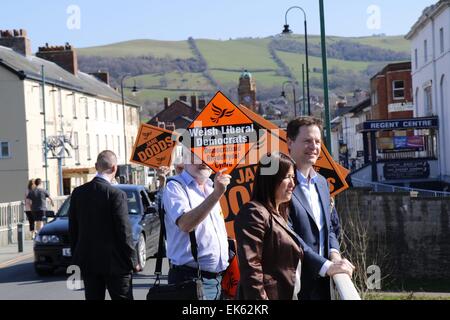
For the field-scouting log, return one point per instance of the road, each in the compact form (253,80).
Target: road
(18,281)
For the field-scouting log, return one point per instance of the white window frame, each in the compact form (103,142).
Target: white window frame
(394,90)
(441,40)
(86,107)
(98,143)
(425,50)
(428,100)
(41,99)
(74,106)
(416,58)
(8,146)
(88,146)
(118,146)
(77,148)
(374,97)
(60,104)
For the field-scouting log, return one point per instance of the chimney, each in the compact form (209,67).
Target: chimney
(103,76)
(194,103)
(183,98)
(201,103)
(16,40)
(166,102)
(63,56)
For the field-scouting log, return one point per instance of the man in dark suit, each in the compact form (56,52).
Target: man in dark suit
(100,234)
(310,212)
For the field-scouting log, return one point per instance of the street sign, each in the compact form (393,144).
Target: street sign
(406,170)
(153,147)
(221,135)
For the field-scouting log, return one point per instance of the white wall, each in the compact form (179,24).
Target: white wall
(13,170)
(437,68)
(22,123)
(104,119)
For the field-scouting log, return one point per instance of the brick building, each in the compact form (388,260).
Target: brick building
(391,92)
(178,114)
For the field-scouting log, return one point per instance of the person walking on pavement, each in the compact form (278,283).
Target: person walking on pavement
(100,234)
(28,212)
(310,212)
(38,197)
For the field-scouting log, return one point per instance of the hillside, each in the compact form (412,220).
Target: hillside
(201,66)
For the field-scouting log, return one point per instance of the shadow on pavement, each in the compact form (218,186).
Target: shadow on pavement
(24,272)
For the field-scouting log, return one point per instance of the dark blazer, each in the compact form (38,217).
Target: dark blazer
(268,254)
(99,229)
(303,223)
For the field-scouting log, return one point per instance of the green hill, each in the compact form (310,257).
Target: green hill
(201,66)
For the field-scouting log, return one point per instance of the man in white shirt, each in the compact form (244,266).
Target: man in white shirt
(191,204)
(310,212)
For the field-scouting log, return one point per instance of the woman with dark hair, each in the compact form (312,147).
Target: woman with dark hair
(30,219)
(269,252)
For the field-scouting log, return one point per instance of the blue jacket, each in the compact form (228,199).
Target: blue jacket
(302,220)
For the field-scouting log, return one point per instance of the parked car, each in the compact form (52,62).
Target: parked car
(52,246)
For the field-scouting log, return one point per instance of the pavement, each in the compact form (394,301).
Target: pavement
(19,281)
(10,255)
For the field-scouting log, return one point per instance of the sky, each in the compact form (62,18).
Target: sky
(86,23)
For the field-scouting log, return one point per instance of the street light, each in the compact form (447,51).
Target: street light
(45,127)
(286,30)
(133,91)
(325,78)
(283,94)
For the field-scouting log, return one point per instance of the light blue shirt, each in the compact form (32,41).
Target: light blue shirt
(308,186)
(211,234)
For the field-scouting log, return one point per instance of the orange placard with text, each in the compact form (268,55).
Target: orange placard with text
(221,135)
(153,147)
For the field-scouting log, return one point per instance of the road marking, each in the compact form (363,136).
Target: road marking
(15,260)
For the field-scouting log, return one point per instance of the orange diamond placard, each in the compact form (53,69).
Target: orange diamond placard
(221,135)
(153,147)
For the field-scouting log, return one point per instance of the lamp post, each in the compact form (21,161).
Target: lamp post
(303,87)
(45,127)
(283,94)
(134,91)
(286,30)
(325,78)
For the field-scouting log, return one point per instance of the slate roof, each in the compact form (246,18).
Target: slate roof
(29,67)
(180,113)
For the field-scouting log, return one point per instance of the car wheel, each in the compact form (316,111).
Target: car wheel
(142,251)
(43,272)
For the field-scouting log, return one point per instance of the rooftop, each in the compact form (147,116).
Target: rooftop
(29,67)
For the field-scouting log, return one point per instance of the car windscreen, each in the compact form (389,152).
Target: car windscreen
(133,200)
(64,210)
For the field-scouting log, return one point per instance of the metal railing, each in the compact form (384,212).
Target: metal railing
(383,187)
(344,287)
(12,213)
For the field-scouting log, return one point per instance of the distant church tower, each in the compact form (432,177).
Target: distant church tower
(247,91)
